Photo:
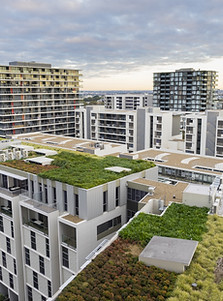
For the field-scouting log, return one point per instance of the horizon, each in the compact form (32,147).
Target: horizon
(118,45)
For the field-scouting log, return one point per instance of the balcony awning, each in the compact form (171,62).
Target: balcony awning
(12,175)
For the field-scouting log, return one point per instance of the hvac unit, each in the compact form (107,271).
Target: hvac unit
(25,153)
(10,156)
(2,157)
(18,155)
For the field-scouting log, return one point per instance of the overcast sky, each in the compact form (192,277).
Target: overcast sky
(117,44)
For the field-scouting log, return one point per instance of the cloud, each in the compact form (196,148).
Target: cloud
(108,37)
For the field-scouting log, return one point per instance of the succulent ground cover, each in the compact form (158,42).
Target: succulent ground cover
(179,221)
(89,171)
(116,274)
(81,170)
(28,167)
(204,269)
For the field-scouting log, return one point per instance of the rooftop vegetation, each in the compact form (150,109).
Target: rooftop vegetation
(89,171)
(28,167)
(179,221)
(206,268)
(116,274)
(81,170)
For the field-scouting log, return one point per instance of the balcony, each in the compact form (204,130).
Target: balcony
(38,225)
(69,241)
(5,209)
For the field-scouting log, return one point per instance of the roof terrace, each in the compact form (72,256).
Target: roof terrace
(81,170)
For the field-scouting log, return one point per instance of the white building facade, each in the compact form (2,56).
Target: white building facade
(48,229)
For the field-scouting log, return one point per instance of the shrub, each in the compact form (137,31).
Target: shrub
(179,221)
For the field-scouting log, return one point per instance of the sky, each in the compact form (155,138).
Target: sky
(117,44)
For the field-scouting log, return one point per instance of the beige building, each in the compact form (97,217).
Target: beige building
(37,97)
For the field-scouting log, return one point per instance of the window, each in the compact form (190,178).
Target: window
(40,192)
(33,240)
(4,181)
(135,195)
(117,196)
(12,229)
(35,280)
(32,187)
(4,263)
(8,245)
(46,193)
(47,248)
(11,282)
(15,267)
(27,256)
(41,265)
(54,195)
(65,200)
(49,289)
(105,201)
(29,293)
(76,199)
(43,298)
(65,257)
(1,278)
(108,227)
(1,224)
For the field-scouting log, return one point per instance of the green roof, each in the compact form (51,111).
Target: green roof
(81,170)
(116,273)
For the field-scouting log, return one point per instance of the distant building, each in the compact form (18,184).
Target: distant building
(127,101)
(185,90)
(36,97)
(203,133)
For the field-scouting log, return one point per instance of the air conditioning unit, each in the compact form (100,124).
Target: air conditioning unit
(18,155)
(2,157)
(10,156)
(25,153)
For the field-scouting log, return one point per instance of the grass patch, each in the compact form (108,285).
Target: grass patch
(203,267)
(116,274)
(179,221)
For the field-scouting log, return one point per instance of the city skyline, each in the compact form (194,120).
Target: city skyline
(117,45)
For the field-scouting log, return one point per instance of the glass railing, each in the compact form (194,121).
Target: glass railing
(69,241)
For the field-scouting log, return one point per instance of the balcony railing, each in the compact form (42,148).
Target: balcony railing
(71,242)
(6,210)
(37,224)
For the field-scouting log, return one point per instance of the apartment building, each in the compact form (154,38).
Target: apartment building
(37,97)
(138,129)
(202,133)
(127,101)
(161,127)
(118,126)
(49,227)
(185,90)
(219,136)
(181,166)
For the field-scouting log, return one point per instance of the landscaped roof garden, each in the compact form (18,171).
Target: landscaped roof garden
(179,221)
(116,273)
(82,170)
(206,269)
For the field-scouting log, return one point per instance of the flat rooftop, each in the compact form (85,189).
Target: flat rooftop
(165,191)
(64,142)
(207,164)
(72,218)
(170,249)
(79,169)
(198,189)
